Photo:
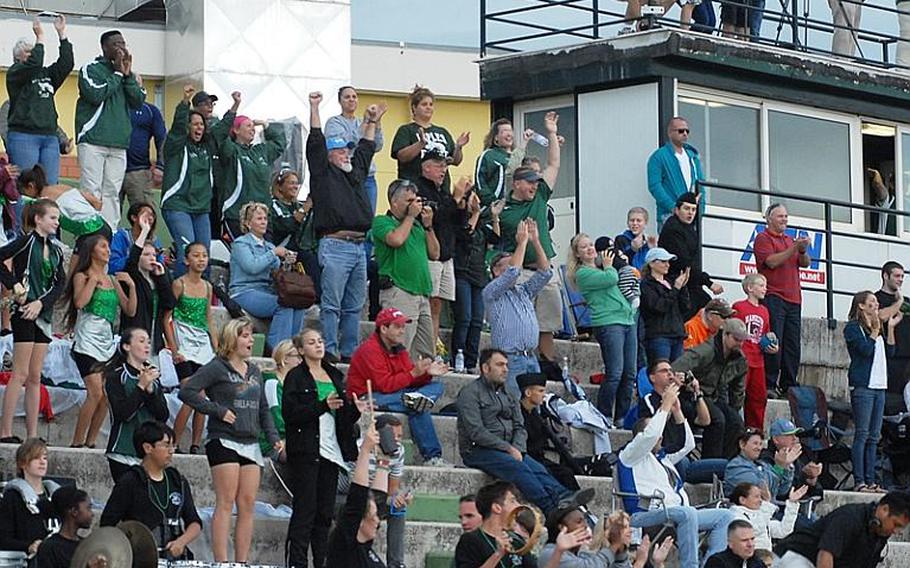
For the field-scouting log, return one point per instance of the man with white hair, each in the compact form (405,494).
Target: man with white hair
(32,137)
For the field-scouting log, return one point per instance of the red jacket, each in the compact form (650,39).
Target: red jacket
(389,371)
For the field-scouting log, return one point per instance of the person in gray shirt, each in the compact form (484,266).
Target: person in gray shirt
(492,436)
(237,408)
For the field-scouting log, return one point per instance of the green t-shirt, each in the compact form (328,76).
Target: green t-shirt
(407,265)
(601,292)
(516,211)
(438,140)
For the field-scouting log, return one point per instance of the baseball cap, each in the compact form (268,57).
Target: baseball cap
(658,253)
(784,427)
(433,154)
(720,307)
(201,97)
(526,174)
(578,501)
(736,328)
(336,143)
(389,316)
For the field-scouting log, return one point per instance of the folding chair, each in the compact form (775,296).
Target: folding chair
(809,409)
(576,312)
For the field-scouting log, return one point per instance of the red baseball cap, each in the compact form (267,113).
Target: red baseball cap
(389,316)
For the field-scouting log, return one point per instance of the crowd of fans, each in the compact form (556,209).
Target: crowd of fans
(678,360)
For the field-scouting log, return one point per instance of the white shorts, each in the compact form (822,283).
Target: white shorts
(443,275)
(547,303)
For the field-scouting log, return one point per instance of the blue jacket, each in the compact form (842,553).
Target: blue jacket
(624,242)
(665,180)
(252,263)
(121,243)
(862,350)
(147,124)
(741,469)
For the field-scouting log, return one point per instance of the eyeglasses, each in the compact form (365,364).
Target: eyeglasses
(682,130)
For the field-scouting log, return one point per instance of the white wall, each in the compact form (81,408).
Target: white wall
(617,130)
(396,68)
(145,42)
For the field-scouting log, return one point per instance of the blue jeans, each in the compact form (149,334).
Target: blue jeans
(619,350)
(531,478)
(689,521)
(422,430)
(782,368)
(343,288)
(670,348)
(25,150)
(868,407)
(186,228)
(756,12)
(369,184)
(286,322)
(468,311)
(519,365)
(701,471)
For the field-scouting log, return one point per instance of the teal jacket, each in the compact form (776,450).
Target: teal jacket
(103,108)
(247,170)
(665,180)
(187,183)
(31,88)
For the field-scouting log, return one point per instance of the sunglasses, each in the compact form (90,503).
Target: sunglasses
(682,130)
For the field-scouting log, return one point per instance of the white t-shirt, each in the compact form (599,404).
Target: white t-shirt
(878,377)
(685,167)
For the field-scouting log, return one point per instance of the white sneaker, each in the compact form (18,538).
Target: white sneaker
(438,461)
(417,402)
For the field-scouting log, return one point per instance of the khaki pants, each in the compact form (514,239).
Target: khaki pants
(846,14)
(101,172)
(137,187)
(903,46)
(418,336)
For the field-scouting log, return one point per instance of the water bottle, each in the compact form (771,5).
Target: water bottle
(565,369)
(540,139)
(459,361)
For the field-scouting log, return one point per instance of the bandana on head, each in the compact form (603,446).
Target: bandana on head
(240,119)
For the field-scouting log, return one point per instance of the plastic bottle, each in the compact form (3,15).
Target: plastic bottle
(565,368)
(540,139)
(459,361)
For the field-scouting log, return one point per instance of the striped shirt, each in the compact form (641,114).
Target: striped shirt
(510,309)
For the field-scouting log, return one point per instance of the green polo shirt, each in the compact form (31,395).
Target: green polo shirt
(517,211)
(408,265)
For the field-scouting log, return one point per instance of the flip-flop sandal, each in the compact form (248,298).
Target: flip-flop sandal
(11,440)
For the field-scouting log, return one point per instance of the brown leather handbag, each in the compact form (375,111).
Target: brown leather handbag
(294,286)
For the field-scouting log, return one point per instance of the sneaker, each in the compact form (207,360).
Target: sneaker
(438,461)
(626,30)
(417,402)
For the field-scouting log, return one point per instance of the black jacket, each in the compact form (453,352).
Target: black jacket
(471,251)
(21,252)
(726,559)
(19,527)
(147,317)
(683,241)
(340,202)
(130,501)
(448,219)
(301,409)
(663,309)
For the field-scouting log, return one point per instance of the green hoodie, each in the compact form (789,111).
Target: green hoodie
(187,181)
(31,88)
(103,108)
(247,170)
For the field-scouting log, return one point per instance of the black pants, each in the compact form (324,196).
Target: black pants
(782,368)
(315,485)
(562,473)
(721,436)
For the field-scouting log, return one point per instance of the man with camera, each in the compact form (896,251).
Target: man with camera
(405,242)
(721,368)
(449,215)
(692,409)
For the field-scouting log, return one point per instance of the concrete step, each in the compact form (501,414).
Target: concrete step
(824,353)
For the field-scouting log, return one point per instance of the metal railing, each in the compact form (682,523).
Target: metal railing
(830,258)
(507,26)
